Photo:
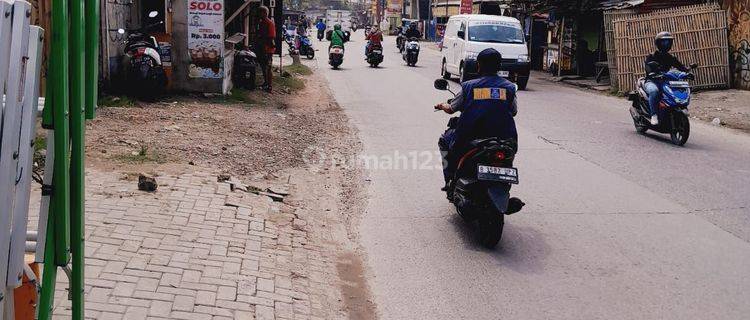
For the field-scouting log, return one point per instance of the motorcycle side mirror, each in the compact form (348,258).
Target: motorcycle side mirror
(441,84)
(694,66)
(153,14)
(121,31)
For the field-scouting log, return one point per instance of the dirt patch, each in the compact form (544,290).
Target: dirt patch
(246,139)
(731,107)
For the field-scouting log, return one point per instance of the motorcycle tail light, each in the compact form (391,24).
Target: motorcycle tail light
(499,156)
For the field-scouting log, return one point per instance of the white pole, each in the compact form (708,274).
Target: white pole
(26,158)
(19,43)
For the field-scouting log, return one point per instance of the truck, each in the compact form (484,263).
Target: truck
(342,17)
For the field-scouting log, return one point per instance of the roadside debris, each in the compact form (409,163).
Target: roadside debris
(146,183)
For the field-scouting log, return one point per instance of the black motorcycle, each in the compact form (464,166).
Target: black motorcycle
(480,189)
(375,55)
(143,70)
(410,53)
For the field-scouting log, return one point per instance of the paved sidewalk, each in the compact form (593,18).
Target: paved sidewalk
(196,250)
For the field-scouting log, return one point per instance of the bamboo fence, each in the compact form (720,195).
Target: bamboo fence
(609,40)
(700,37)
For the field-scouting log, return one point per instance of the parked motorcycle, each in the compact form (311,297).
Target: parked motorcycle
(289,39)
(673,108)
(480,189)
(411,52)
(375,55)
(336,56)
(305,47)
(142,67)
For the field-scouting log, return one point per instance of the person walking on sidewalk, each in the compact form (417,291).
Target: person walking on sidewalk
(265,45)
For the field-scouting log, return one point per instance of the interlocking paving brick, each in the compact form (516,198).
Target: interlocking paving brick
(181,253)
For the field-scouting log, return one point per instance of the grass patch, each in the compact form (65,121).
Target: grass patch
(240,95)
(291,83)
(143,155)
(108,101)
(299,68)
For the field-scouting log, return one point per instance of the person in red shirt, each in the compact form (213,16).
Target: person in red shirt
(374,38)
(266,47)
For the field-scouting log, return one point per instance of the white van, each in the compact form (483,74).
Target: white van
(468,34)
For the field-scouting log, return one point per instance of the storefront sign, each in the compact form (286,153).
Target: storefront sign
(206,38)
(466,7)
(395,6)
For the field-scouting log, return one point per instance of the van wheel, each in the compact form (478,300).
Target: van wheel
(444,72)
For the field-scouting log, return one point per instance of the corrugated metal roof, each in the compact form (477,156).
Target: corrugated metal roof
(620,4)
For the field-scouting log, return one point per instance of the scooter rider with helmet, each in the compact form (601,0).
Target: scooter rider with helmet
(487,105)
(663,41)
(412,32)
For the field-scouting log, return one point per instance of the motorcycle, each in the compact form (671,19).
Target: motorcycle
(336,56)
(321,34)
(480,189)
(289,39)
(400,39)
(673,108)
(305,47)
(142,63)
(375,55)
(411,52)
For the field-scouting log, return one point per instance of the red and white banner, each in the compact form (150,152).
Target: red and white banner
(466,7)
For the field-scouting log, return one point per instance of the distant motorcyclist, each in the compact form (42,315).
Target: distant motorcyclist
(663,41)
(413,32)
(338,37)
(374,38)
(487,105)
(321,27)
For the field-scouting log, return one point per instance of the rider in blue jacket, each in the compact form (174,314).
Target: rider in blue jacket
(487,105)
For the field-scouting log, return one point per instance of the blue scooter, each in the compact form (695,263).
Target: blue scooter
(305,47)
(673,108)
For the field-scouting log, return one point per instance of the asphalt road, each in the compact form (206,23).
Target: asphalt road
(617,225)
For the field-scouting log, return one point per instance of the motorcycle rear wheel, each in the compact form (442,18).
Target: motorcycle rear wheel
(491,229)
(681,131)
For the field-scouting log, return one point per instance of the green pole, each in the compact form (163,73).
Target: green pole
(49,273)
(77,118)
(61,178)
(56,248)
(92,56)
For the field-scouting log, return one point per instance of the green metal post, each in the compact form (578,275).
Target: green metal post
(56,248)
(77,118)
(92,56)
(61,180)
(49,273)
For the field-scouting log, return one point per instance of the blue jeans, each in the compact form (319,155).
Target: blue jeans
(444,144)
(654,95)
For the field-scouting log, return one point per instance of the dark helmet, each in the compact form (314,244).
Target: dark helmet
(489,61)
(337,27)
(412,25)
(664,41)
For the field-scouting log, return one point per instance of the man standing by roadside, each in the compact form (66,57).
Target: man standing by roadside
(266,35)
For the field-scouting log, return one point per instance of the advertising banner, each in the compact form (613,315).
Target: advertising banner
(466,7)
(206,38)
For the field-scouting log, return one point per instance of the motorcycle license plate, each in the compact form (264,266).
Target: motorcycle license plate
(337,51)
(499,174)
(377,51)
(503,73)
